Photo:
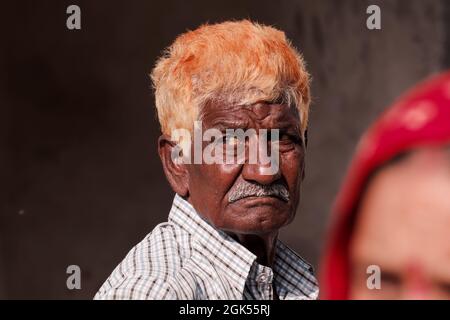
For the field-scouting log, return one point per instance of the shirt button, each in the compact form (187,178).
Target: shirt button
(262,278)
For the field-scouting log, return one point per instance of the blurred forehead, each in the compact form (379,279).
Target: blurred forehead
(405,212)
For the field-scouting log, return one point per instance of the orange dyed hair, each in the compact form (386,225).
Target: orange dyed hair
(238,62)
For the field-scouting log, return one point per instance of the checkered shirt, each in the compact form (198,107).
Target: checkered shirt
(187,258)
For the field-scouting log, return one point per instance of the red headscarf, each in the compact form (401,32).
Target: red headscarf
(420,118)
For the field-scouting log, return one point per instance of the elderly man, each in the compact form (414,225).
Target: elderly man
(221,238)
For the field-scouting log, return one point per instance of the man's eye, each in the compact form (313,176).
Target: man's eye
(288,138)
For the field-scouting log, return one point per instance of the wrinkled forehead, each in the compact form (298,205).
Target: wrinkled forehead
(271,114)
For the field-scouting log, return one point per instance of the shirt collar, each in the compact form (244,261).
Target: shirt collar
(290,271)
(229,256)
(294,275)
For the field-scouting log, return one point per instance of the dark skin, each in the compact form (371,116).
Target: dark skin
(253,221)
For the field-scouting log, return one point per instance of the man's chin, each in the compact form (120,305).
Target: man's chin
(259,231)
(259,220)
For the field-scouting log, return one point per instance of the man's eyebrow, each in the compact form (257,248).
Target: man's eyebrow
(223,124)
(287,126)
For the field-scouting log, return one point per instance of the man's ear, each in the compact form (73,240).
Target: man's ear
(174,168)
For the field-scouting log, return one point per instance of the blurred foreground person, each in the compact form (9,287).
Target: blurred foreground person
(392,215)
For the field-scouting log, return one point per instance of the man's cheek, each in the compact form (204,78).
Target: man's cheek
(292,172)
(291,165)
(219,178)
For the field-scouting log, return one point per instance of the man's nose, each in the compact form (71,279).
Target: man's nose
(261,173)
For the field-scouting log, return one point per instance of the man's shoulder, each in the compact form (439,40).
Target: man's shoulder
(148,270)
(161,251)
(296,270)
(289,254)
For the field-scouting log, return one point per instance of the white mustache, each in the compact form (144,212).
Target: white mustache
(247,189)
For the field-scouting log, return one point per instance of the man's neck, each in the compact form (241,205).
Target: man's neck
(263,246)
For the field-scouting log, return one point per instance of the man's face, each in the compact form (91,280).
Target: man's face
(210,185)
(403,228)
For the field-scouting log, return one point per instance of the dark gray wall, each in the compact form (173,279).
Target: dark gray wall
(80,181)
(356,74)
